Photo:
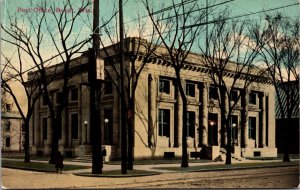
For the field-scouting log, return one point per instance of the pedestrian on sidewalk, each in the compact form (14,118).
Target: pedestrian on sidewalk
(103,155)
(59,162)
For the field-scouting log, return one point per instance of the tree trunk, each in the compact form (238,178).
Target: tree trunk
(184,161)
(54,144)
(228,146)
(130,119)
(286,156)
(26,145)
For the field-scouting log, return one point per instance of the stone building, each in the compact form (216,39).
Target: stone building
(12,133)
(157,99)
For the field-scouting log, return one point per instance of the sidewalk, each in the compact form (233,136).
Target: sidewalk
(154,167)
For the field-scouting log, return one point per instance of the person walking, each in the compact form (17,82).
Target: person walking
(59,162)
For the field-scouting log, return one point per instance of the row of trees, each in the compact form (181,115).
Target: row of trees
(274,44)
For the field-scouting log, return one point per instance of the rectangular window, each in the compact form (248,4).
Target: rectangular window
(44,101)
(7,126)
(74,94)
(58,97)
(8,107)
(74,126)
(164,86)
(252,128)
(7,142)
(164,122)
(234,125)
(252,98)
(190,89)
(108,87)
(108,126)
(190,124)
(234,95)
(213,93)
(45,127)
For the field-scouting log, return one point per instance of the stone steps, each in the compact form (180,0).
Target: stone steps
(87,158)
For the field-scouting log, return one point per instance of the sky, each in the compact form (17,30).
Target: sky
(132,10)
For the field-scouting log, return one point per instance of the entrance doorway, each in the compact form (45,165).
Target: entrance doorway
(213,129)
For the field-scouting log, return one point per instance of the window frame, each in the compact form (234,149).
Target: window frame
(188,84)
(73,98)
(189,124)
(164,122)
(162,87)
(253,98)
(74,127)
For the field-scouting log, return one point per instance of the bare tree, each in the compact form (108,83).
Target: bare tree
(281,55)
(230,55)
(178,41)
(138,53)
(56,23)
(15,72)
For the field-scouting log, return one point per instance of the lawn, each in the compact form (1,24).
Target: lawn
(160,161)
(117,173)
(37,166)
(232,166)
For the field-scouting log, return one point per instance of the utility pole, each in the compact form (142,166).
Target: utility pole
(94,112)
(123,109)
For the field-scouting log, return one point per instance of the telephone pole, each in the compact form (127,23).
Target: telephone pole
(94,112)
(123,109)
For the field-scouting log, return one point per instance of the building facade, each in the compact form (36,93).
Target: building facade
(158,113)
(12,132)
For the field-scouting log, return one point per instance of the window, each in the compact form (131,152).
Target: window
(234,95)
(7,126)
(44,123)
(108,126)
(44,102)
(190,89)
(213,93)
(164,86)
(74,94)
(58,97)
(234,131)
(252,128)
(164,122)
(8,107)
(252,98)
(74,126)
(7,142)
(108,87)
(190,124)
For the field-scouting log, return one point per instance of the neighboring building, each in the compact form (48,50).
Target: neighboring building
(157,100)
(292,126)
(12,131)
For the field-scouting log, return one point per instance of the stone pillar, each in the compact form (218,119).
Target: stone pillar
(63,126)
(263,119)
(226,105)
(245,109)
(179,119)
(37,125)
(151,109)
(204,115)
(80,121)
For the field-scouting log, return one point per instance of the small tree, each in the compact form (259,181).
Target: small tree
(13,74)
(230,55)
(134,48)
(280,53)
(67,45)
(178,42)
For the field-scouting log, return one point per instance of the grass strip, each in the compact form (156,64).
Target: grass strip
(117,173)
(228,167)
(37,166)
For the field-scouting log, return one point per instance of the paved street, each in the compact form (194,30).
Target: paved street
(279,177)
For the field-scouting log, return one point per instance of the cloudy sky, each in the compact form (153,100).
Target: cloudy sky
(133,9)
